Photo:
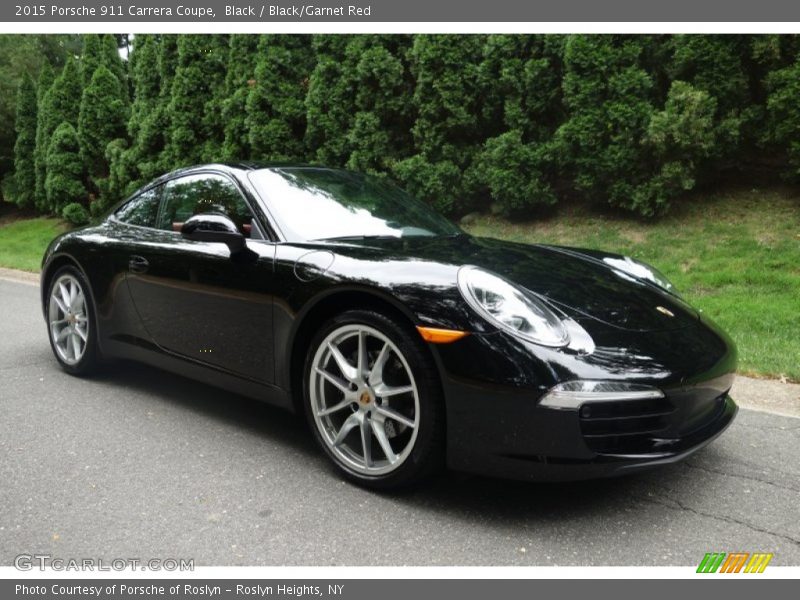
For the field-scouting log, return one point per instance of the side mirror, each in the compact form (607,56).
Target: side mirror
(211,227)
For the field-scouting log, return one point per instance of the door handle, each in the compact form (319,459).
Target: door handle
(138,264)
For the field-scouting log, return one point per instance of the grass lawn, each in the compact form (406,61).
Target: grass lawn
(735,254)
(23,242)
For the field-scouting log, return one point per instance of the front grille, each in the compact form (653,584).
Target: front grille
(625,426)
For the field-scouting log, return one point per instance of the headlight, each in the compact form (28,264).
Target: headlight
(509,308)
(642,271)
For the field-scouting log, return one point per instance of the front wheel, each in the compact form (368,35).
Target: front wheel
(373,400)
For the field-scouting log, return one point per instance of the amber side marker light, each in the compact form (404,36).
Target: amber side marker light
(440,336)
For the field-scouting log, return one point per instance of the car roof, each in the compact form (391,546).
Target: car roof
(241,166)
(232,167)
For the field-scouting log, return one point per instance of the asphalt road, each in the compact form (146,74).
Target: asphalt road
(140,463)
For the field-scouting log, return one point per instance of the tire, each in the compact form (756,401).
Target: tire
(65,329)
(394,398)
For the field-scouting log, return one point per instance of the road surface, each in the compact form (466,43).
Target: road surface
(138,463)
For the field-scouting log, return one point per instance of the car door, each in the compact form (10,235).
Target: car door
(127,228)
(192,297)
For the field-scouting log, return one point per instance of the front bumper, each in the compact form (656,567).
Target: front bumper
(497,425)
(576,460)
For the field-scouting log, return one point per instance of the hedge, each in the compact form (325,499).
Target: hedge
(508,123)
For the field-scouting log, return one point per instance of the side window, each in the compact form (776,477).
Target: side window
(141,210)
(204,193)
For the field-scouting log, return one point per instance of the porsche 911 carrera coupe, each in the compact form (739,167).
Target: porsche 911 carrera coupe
(408,344)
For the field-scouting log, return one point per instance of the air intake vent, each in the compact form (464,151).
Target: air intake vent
(625,426)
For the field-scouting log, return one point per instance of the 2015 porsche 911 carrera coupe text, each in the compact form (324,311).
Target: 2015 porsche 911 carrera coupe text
(405,342)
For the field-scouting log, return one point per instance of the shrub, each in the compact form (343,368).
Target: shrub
(152,67)
(59,99)
(607,95)
(378,134)
(509,123)
(448,128)
(200,69)
(100,50)
(521,76)
(117,185)
(240,76)
(783,113)
(276,111)
(329,103)
(516,173)
(25,146)
(103,117)
(64,182)
(75,214)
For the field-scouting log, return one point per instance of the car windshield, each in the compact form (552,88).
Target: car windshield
(326,204)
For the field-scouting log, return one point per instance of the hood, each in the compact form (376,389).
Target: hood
(581,285)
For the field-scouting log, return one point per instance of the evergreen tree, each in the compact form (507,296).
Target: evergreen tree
(25,146)
(146,80)
(783,114)
(44,83)
(379,134)
(621,148)
(133,165)
(167,61)
(60,104)
(64,182)
(521,79)
(114,62)
(156,129)
(330,102)
(716,64)
(91,57)
(200,70)
(103,116)
(447,132)
(276,114)
(120,181)
(238,81)
(500,122)
(152,67)
(102,50)
(46,78)
(608,96)
(62,101)
(22,55)
(213,104)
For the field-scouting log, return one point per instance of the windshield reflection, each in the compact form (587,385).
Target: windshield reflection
(311,203)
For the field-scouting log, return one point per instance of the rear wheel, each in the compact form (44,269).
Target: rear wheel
(70,321)
(373,400)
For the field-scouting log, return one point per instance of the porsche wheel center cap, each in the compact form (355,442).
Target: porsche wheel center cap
(365,398)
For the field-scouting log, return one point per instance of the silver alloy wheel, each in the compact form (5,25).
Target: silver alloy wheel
(369,397)
(69,319)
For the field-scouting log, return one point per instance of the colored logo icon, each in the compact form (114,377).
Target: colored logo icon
(734,562)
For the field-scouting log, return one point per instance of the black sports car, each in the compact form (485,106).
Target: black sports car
(407,343)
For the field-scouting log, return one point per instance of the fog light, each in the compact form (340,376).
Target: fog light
(571,394)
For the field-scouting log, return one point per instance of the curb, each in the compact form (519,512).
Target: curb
(767,395)
(19,276)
